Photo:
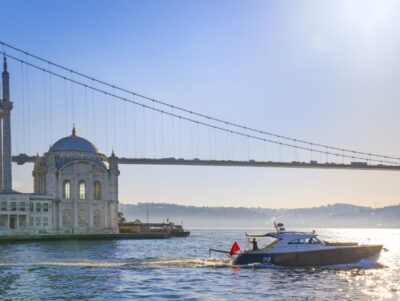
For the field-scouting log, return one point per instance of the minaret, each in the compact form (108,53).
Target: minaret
(6,81)
(6,106)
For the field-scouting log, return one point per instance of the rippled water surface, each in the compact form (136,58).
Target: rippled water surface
(180,269)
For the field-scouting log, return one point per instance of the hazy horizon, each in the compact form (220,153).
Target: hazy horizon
(250,207)
(337,215)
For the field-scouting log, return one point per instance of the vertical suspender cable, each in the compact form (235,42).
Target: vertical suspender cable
(265,151)
(72,100)
(180,137)
(215,143)
(210,141)
(86,113)
(23,107)
(45,109)
(94,115)
(327,155)
(227,153)
(248,146)
(106,121)
(162,134)
(28,108)
(232,142)
(114,125)
(154,134)
(173,132)
(50,106)
(66,105)
(279,152)
(198,140)
(191,140)
(144,132)
(126,128)
(135,140)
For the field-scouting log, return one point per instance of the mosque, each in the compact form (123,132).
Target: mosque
(75,186)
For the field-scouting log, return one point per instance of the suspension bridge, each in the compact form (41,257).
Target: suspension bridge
(139,129)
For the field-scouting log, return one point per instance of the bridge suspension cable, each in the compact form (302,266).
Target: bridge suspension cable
(311,144)
(352,154)
(210,118)
(180,117)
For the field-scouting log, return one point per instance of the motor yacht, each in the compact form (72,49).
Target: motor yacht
(301,249)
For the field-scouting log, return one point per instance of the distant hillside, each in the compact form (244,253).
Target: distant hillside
(337,215)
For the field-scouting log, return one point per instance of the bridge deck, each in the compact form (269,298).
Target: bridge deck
(22,159)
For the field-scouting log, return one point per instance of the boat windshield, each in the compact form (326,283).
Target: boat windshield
(311,240)
(274,242)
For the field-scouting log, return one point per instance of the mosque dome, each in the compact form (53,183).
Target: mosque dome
(73,143)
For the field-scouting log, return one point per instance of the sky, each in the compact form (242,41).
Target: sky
(323,71)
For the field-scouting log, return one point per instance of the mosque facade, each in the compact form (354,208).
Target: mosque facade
(75,186)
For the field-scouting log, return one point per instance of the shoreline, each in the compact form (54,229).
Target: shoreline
(50,237)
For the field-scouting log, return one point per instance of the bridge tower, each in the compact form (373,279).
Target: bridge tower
(5,133)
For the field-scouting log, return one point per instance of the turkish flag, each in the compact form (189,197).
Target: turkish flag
(235,248)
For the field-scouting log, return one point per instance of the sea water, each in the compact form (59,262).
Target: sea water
(180,269)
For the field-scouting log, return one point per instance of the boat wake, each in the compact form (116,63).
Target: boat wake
(89,264)
(152,263)
(183,263)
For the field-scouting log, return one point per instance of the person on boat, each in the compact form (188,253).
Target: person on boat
(254,242)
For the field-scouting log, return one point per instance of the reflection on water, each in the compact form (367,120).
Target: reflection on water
(180,269)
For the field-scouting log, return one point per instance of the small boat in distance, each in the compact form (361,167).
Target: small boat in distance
(301,249)
(168,228)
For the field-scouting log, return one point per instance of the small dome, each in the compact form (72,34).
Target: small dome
(73,143)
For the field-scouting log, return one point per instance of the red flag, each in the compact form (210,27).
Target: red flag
(235,248)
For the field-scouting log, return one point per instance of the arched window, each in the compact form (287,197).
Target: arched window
(97,190)
(67,190)
(82,190)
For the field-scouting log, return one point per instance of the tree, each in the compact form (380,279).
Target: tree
(121,218)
